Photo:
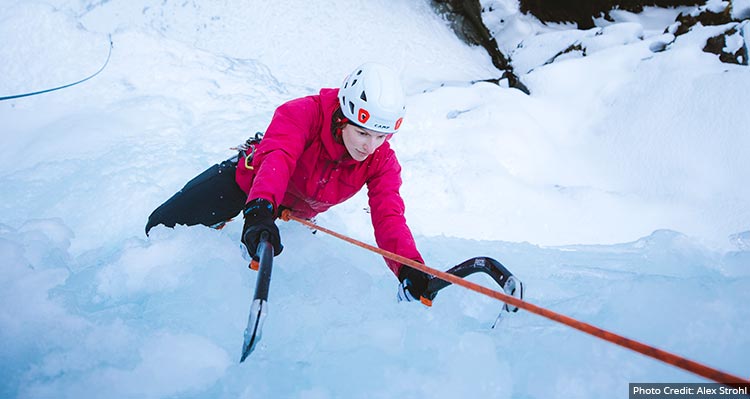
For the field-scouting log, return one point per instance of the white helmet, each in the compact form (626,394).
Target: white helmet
(372,97)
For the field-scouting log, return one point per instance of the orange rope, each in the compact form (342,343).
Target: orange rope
(656,353)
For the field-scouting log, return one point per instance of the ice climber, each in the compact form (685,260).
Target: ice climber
(318,151)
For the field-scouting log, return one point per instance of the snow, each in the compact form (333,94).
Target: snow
(740,9)
(616,192)
(717,6)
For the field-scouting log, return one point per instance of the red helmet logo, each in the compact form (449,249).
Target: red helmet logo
(363,115)
(398,123)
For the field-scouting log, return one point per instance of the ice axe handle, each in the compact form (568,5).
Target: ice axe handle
(265,260)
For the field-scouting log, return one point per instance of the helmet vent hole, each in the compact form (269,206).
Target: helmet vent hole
(351,107)
(359,72)
(354,82)
(363,96)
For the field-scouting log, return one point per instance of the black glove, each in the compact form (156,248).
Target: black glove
(259,218)
(413,283)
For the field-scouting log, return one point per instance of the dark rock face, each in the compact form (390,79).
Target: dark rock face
(721,43)
(705,18)
(583,12)
(718,45)
(466,18)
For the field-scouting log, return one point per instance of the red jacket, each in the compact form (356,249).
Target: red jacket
(300,165)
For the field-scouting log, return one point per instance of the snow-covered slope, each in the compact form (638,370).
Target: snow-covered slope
(637,157)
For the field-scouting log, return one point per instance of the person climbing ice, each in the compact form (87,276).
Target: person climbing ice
(318,151)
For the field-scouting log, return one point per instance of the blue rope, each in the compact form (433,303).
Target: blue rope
(67,85)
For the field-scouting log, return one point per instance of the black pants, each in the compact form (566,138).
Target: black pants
(210,199)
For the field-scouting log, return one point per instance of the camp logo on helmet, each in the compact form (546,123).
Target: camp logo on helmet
(388,127)
(363,115)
